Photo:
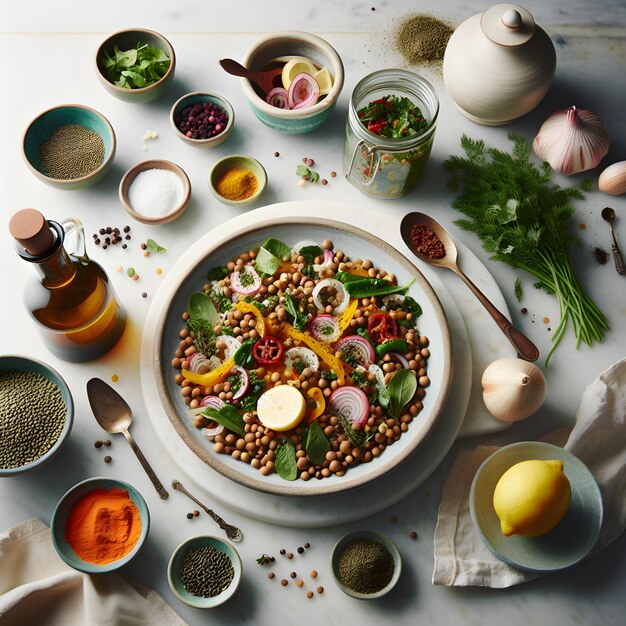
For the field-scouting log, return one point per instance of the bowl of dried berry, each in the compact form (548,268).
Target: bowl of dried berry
(202,119)
(204,571)
(70,146)
(36,414)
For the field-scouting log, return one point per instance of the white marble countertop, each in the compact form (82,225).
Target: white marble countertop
(46,58)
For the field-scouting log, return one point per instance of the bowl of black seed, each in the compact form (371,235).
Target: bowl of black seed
(204,571)
(366,564)
(36,414)
(69,146)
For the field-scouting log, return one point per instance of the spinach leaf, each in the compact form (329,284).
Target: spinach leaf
(310,253)
(277,248)
(412,306)
(346,277)
(366,287)
(317,445)
(286,460)
(393,345)
(402,388)
(266,262)
(217,273)
(243,355)
(299,317)
(201,308)
(153,246)
(228,416)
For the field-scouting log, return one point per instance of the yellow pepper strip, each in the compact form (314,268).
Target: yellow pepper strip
(359,271)
(319,348)
(316,394)
(248,307)
(344,319)
(211,377)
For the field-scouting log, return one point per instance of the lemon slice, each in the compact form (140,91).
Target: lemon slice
(324,80)
(281,408)
(296,66)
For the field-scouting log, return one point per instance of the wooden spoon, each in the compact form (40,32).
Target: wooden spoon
(265,79)
(526,349)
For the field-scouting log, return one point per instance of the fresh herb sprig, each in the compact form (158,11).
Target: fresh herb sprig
(524,219)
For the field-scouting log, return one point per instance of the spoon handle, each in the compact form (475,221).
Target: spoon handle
(163,494)
(234,68)
(526,349)
(617,255)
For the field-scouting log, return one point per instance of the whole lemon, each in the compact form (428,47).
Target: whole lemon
(531,498)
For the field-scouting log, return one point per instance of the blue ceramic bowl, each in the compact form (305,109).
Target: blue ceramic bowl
(40,129)
(176,563)
(24,364)
(61,513)
(282,46)
(569,542)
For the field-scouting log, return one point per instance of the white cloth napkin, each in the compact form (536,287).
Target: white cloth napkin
(598,439)
(37,587)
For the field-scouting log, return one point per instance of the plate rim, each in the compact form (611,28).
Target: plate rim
(286,490)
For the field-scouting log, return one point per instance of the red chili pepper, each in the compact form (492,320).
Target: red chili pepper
(382,101)
(377,125)
(381,326)
(267,350)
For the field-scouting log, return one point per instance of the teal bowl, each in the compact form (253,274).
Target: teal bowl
(569,542)
(24,364)
(280,47)
(42,127)
(61,513)
(176,563)
(125,40)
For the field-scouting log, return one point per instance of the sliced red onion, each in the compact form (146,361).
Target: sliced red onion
(198,360)
(351,403)
(329,257)
(358,348)
(211,433)
(245,382)
(232,345)
(247,274)
(213,401)
(278,98)
(302,244)
(303,91)
(304,355)
(334,284)
(325,328)
(398,357)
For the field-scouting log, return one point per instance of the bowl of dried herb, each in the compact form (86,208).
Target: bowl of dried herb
(70,146)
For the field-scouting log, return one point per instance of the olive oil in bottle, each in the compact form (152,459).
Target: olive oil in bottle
(73,301)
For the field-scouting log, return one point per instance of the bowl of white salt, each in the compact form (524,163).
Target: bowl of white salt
(155,192)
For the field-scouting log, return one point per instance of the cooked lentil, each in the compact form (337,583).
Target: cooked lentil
(32,416)
(206,572)
(365,566)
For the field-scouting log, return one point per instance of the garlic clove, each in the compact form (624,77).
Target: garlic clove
(572,140)
(613,179)
(513,389)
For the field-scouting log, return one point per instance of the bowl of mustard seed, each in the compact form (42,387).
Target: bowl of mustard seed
(70,146)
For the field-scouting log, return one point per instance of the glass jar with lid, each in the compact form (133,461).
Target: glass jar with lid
(387,167)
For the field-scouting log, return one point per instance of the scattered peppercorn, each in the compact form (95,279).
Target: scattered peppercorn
(107,442)
(102,231)
(107,459)
(310,162)
(283,551)
(196,513)
(324,181)
(290,555)
(309,594)
(413,534)
(124,246)
(143,246)
(524,310)
(307,545)
(313,574)
(293,575)
(276,154)
(300,550)
(333,174)
(97,443)
(271,575)
(393,519)
(189,515)
(126,229)
(320,590)
(299,582)
(284,582)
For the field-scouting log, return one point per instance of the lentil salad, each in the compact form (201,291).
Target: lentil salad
(301,361)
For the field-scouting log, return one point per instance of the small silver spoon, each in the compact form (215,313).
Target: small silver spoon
(232,532)
(608,215)
(114,415)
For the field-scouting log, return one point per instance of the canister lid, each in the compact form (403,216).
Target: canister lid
(32,231)
(508,24)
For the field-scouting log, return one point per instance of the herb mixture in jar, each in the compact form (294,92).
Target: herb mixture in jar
(393,116)
(301,361)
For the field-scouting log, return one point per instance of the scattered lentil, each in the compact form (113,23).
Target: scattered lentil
(284,582)
(196,513)
(422,39)
(136,277)
(333,174)
(313,574)
(309,594)
(290,555)
(365,566)
(324,181)
(206,572)
(320,590)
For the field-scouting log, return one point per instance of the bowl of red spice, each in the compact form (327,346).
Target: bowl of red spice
(99,525)
(238,180)
(202,119)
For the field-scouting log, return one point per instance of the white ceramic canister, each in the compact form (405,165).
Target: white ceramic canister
(498,65)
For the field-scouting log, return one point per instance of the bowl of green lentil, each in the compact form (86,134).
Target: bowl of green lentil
(70,146)
(36,414)
(204,571)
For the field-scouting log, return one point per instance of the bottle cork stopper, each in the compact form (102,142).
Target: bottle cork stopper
(30,228)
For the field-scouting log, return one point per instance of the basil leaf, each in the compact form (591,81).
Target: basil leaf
(317,445)
(153,246)
(314,176)
(201,308)
(217,273)
(243,355)
(266,262)
(412,306)
(286,460)
(402,388)
(366,287)
(310,253)
(277,248)
(228,416)
(302,170)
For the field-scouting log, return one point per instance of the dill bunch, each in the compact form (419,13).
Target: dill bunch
(523,219)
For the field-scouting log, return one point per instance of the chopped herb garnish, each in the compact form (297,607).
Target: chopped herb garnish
(217,273)
(518,289)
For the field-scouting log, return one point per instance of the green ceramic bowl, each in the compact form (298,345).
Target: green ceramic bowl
(176,563)
(61,513)
(238,161)
(40,129)
(569,542)
(125,40)
(24,364)
(374,536)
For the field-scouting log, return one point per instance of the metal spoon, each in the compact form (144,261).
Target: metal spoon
(526,349)
(115,416)
(232,532)
(265,79)
(608,215)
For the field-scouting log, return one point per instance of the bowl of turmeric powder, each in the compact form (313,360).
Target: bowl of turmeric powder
(237,180)
(99,525)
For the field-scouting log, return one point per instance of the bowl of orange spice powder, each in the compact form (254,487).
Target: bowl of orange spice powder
(99,525)
(237,180)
